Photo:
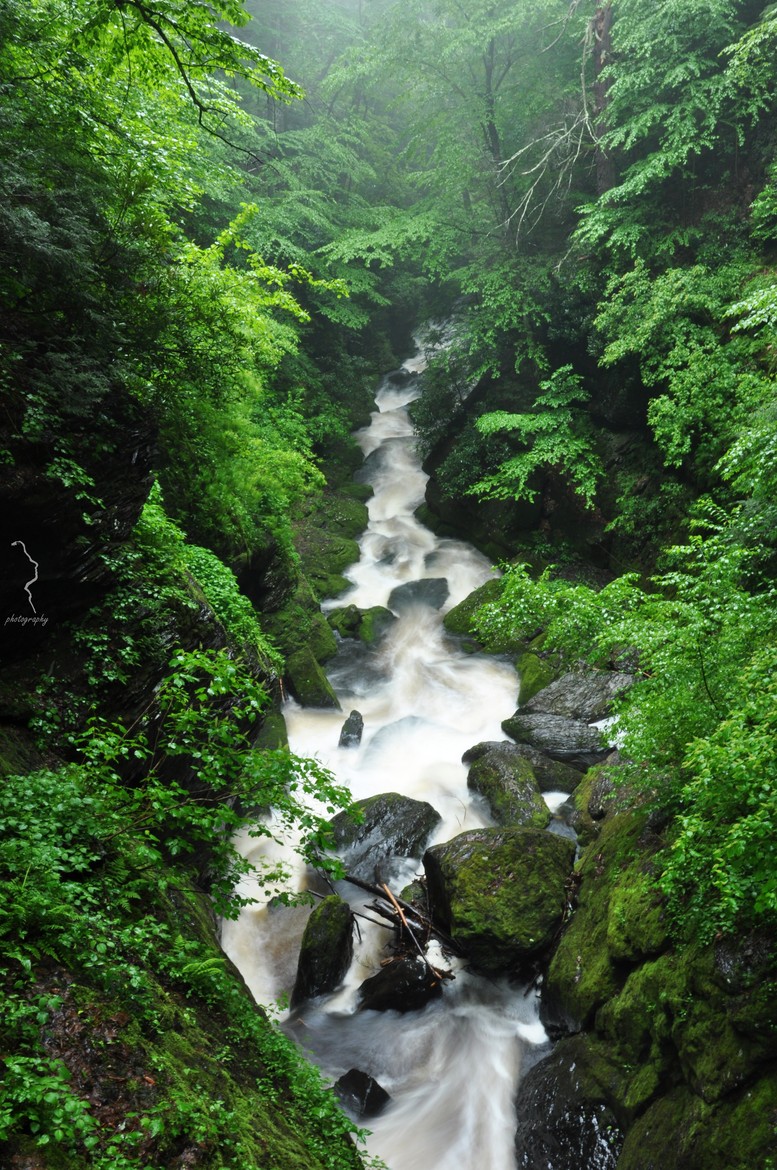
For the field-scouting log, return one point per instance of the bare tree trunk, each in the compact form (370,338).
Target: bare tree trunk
(602,48)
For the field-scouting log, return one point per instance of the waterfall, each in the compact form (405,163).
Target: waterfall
(451,1069)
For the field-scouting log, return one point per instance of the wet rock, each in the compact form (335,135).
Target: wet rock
(431,591)
(564,1117)
(307,681)
(563,739)
(406,985)
(368,625)
(326,951)
(500,893)
(506,781)
(535,673)
(550,775)
(360,1094)
(584,695)
(351,733)
(391,825)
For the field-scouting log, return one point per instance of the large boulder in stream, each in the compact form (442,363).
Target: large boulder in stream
(360,1094)
(549,775)
(506,781)
(568,740)
(500,893)
(564,1116)
(404,985)
(431,591)
(388,825)
(307,681)
(368,625)
(352,729)
(326,950)
(585,695)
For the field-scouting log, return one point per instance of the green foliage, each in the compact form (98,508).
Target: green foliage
(557,435)
(706,383)
(721,874)
(89,855)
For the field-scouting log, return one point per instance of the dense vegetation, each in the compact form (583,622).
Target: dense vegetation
(204,263)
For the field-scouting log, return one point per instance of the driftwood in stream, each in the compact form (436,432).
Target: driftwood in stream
(399,913)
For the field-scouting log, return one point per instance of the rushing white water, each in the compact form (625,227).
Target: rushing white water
(452,1068)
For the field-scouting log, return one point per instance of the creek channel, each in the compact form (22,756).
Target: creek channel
(451,1068)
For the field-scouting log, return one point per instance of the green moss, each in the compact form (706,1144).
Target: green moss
(509,790)
(680,1131)
(307,681)
(458,620)
(535,673)
(273,733)
(500,892)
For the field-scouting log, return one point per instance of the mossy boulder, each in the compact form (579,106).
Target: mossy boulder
(368,625)
(565,1119)
(384,826)
(584,971)
(326,950)
(458,619)
(506,781)
(500,893)
(307,681)
(550,775)
(273,733)
(535,673)
(680,1131)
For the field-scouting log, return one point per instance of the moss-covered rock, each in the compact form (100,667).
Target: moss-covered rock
(584,972)
(500,893)
(368,625)
(550,775)
(535,673)
(506,781)
(308,683)
(326,950)
(458,619)
(681,1132)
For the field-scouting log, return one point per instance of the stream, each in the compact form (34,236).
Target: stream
(452,1068)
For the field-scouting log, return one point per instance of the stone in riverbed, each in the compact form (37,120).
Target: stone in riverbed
(431,591)
(326,951)
(307,681)
(391,825)
(563,739)
(406,985)
(564,1116)
(551,775)
(584,695)
(506,781)
(351,733)
(500,893)
(360,1094)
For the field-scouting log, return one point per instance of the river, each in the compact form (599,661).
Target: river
(452,1068)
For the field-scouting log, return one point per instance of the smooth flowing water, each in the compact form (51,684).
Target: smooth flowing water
(452,1068)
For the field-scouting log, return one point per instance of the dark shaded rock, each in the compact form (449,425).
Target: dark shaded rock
(345,620)
(307,681)
(391,825)
(431,591)
(406,985)
(564,1117)
(360,1094)
(563,739)
(401,377)
(351,733)
(326,951)
(505,779)
(584,695)
(551,775)
(500,893)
